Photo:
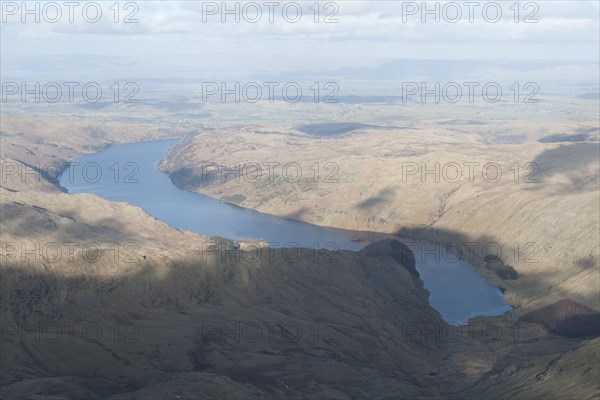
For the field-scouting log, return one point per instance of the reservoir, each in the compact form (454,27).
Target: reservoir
(129,173)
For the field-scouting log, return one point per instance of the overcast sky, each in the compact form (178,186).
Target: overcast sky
(190,35)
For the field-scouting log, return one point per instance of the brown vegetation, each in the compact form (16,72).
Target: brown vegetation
(566,318)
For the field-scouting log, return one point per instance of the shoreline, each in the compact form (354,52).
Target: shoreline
(362,238)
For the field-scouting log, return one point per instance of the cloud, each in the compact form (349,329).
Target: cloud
(366,31)
(357,20)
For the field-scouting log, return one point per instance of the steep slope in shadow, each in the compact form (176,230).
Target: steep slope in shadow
(573,375)
(270,327)
(566,318)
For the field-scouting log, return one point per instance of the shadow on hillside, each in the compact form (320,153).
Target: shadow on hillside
(576,162)
(378,199)
(474,249)
(275,322)
(359,325)
(26,215)
(298,214)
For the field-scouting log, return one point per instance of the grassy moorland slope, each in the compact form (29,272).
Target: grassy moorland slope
(166,320)
(535,202)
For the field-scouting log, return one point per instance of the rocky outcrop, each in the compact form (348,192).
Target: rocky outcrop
(394,249)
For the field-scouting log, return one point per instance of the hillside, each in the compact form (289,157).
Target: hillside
(162,319)
(543,218)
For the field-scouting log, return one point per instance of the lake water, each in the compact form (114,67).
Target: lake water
(129,173)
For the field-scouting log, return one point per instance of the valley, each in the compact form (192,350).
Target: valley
(190,319)
(353,200)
